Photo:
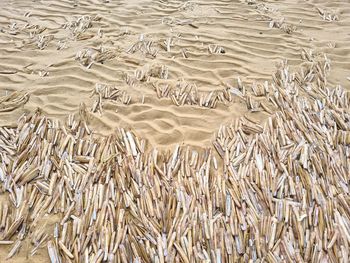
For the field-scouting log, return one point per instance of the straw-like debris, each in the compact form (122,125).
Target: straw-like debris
(277,191)
(146,73)
(308,55)
(251,99)
(327,15)
(311,79)
(12,101)
(259,89)
(79,26)
(42,41)
(171,21)
(155,71)
(269,13)
(216,49)
(88,56)
(32,30)
(108,92)
(144,46)
(168,43)
(61,44)
(184,93)
(291,175)
(281,24)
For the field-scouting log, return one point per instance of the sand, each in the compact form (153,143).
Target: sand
(39,44)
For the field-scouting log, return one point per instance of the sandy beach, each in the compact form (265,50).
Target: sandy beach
(174,131)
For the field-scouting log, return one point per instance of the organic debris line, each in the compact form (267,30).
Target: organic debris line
(282,194)
(13,101)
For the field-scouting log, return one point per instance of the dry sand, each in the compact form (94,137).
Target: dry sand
(39,43)
(251,47)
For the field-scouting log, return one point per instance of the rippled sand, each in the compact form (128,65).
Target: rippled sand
(37,56)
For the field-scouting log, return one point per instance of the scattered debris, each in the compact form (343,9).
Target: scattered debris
(43,41)
(88,56)
(281,24)
(79,26)
(327,15)
(187,94)
(108,92)
(144,46)
(216,49)
(13,101)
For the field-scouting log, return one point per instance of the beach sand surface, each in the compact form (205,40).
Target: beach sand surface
(39,42)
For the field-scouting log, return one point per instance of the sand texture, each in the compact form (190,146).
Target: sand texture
(223,122)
